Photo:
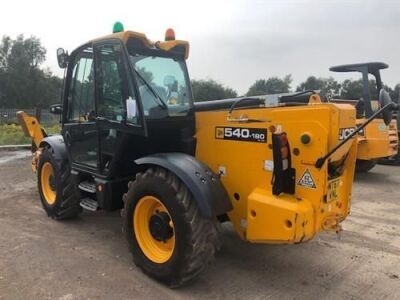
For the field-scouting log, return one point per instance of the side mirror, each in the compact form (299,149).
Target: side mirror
(62,58)
(384,99)
(56,109)
(387,115)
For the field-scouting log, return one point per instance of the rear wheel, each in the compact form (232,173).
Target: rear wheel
(58,193)
(363,166)
(169,239)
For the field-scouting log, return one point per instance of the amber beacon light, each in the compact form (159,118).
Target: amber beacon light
(169,34)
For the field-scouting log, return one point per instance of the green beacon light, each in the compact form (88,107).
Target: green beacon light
(118,27)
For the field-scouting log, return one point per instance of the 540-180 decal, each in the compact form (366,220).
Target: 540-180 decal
(257,135)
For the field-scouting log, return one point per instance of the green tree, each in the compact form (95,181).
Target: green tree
(327,86)
(204,90)
(22,83)
(352,89)
(272,85)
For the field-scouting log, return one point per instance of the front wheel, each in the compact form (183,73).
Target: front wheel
(169,239)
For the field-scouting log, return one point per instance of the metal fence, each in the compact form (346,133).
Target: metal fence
(9,116)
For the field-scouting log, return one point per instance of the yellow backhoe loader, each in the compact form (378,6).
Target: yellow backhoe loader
(377,140)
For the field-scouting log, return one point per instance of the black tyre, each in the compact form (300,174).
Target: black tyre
(58,193)
(363,166)
(390,161)
(169,239)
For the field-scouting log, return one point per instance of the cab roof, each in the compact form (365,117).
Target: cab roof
(139,40)
(372,67)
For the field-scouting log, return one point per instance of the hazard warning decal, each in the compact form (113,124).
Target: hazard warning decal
(306,180)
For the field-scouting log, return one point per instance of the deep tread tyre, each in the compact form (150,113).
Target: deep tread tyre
(363,166)
(65,205)
(196,238)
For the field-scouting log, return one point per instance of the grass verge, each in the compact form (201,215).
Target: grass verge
(13,134)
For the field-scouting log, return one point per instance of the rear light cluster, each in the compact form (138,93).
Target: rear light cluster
(283,179)
(284,145)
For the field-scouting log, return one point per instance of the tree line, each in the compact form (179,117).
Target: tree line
(24,84)
(204,90)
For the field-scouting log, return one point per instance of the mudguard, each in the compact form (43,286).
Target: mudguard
(56,142)
(205,186)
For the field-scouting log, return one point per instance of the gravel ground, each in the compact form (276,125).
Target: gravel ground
(87,258)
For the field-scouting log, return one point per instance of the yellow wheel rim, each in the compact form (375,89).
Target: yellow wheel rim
(147,210)
(47,183)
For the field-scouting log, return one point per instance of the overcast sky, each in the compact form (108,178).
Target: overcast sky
(234,42)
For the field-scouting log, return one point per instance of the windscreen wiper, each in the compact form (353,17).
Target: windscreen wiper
(158,97)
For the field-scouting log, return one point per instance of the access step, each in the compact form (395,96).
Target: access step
(87,186)
(89,204)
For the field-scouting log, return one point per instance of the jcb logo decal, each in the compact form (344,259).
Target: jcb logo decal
(345,132)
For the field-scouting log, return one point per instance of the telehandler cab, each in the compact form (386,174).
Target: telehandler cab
(378,140)
(133,139)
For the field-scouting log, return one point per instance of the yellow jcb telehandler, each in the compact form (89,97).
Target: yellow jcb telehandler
(133,139)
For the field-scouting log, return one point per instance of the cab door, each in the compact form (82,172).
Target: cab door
(79,124)
(118,111)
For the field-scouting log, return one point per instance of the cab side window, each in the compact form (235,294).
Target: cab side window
(110,86)
(81,100)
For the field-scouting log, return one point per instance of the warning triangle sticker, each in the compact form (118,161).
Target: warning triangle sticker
(306,180)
